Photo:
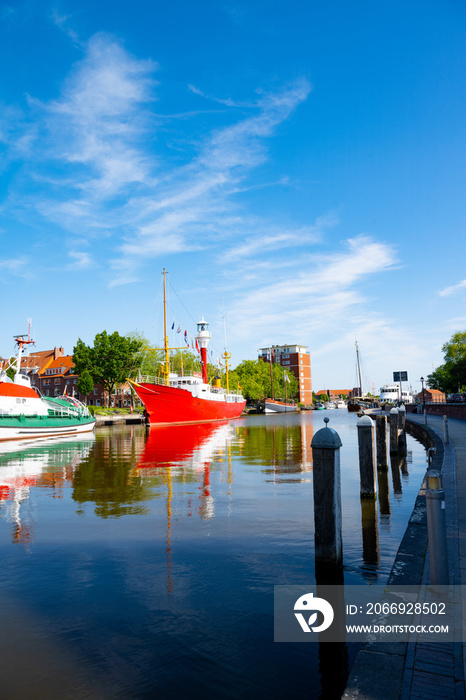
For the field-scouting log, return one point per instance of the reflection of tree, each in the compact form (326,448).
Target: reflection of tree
(104,478)
(274,445)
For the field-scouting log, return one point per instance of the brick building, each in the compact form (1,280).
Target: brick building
(297,359)
(52,374)
(430,396)
(335,394)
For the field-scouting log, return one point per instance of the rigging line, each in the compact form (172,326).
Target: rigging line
(184,307)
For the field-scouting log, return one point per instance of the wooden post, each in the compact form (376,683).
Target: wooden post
(325,446)
(445,430)
(381,440)
(366,457)
(393,430)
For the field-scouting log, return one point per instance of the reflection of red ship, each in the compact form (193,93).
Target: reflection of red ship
(172,449)
(188,398)
(184,445)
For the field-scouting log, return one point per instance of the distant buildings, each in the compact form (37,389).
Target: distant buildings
(52,374)
(297,359)
(431,396)
(335,394)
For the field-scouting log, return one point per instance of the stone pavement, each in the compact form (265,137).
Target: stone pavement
(414,671)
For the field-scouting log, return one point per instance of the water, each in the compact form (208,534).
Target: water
(142,567)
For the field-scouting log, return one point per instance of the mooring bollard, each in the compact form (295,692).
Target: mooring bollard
(436,528)
(381,440)
(401,417)
(394,430)
(325,446)
(366,457)
(445,430)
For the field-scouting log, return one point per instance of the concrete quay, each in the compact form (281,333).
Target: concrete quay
(119,419)
(418,671)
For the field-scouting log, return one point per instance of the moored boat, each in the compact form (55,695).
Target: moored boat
(273,406)
(24,414)
(188,398)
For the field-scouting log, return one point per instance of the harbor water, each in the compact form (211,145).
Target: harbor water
(142,564)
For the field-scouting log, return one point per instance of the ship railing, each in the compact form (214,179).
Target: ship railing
(151,379)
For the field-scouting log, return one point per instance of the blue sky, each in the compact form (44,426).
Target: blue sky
(297,166)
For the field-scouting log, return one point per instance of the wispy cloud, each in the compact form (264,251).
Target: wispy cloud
(81,260)
(91,154)
(322,294)
(453,289)
(18,267)
(270,239)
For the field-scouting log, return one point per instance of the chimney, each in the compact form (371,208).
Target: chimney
(58,352)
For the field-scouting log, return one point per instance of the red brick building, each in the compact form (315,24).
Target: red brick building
(52,374)
(335,394)
(297,359)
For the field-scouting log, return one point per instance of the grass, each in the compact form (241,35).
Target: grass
(111,411)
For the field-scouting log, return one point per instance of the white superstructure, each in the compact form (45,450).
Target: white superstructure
(390,393)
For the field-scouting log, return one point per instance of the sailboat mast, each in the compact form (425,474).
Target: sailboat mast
(271,375)
(359,368)
(166,368)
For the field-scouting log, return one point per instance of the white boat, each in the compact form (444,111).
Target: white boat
(340,404)
(390,393)
(25,415)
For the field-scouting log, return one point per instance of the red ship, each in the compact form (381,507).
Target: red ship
(173,399)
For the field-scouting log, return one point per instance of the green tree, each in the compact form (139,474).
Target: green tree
(255,381)
(452,374)
(85,383)
(110,361)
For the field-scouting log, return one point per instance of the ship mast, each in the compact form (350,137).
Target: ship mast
(359,367)
(226,355)
(166,364)
(271,374)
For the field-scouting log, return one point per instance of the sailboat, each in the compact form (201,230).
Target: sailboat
(187,398)
(272,405)
(357,404)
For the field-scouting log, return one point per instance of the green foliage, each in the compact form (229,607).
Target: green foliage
(112,359)
(255,381)
(452,374)
(85,383)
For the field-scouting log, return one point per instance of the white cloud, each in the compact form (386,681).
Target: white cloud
(82,260)
(312,297)
(454,288)
(19,267)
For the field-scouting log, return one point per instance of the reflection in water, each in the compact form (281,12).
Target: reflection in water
(395,464)
(155,553)
(333,656)
(384,492)
(370,537)
(49,464)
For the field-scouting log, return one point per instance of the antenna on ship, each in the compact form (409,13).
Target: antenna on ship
(226,355)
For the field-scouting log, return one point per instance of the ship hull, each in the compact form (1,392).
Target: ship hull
(32,427)
(166,405)
(272,406)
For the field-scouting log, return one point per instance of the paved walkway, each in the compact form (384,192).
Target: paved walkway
(423,671)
